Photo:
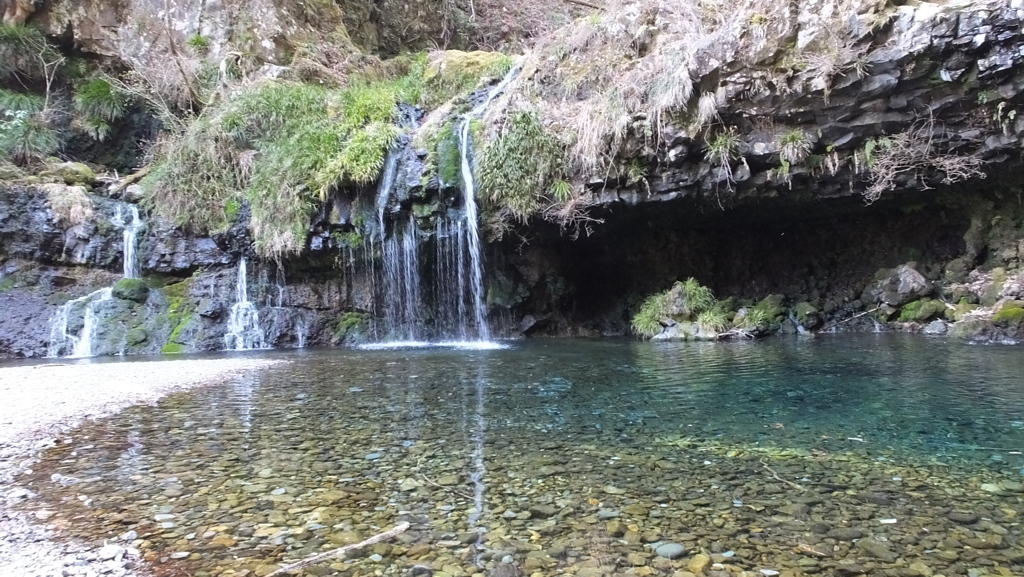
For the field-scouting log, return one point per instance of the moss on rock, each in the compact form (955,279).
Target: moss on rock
(131,289)
(351,327)
(922,310)
(70,173)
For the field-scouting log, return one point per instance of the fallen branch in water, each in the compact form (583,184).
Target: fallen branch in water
(856,316)
(778,478)
(340,551)
(427,479)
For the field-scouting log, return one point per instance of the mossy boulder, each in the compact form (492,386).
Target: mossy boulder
(136,337)
(990,297)
(70,173)
(807,315)
(173,349)
(1011,315)
(772,308)
(921,311)
(351,327)
(961,310)
(453,72)
(131,289)
(455,64)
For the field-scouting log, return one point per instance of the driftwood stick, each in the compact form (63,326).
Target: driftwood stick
(778,478)
(340,551)
(131,179)
(856,316)
(427,479)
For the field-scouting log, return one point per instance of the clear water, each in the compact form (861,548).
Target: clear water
(572,456)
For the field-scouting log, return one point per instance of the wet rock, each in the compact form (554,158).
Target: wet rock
(131,289)
(846,533)
(850,569)
(543,511)
(962,517)
(671,550)
(877,549)
(698,563)
(918,569)
(795,509)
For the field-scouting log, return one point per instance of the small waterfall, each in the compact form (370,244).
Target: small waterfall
(244,332)
(76,344)
(130,235)
(400,276)
(483,332)
(457,295)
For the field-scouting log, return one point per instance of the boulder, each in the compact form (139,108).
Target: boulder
(131,289)
(901,286)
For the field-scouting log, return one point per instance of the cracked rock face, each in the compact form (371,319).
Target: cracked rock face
(843,85)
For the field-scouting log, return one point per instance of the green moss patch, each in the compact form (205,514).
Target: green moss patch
(131,289)
(1009,316)
(351,327)
(922,310)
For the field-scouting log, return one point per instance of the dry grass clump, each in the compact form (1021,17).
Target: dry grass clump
(70,204)
(914,153)
(611,81)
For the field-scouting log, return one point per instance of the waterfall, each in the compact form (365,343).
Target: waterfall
(244,332)
(130,235)
(400,272)
(476,270)
(80,343)
(458,297)
(83,348)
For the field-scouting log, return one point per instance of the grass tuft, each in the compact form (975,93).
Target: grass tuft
(283,147)
(522,163)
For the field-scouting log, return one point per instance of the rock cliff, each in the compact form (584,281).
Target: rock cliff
(852,164)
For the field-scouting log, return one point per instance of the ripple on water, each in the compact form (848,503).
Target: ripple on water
(583,457)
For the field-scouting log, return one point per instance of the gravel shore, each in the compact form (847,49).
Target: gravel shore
(41,402)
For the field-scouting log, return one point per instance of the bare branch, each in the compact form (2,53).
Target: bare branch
(340,551)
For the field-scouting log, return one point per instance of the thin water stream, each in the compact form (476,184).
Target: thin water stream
(825,455)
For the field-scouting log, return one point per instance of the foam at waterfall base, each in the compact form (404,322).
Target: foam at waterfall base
(461,345)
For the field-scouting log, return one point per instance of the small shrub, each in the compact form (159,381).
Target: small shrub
(754,319)
(96,128)
(24,50)
(723,148)
(687,300)
(697,298)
